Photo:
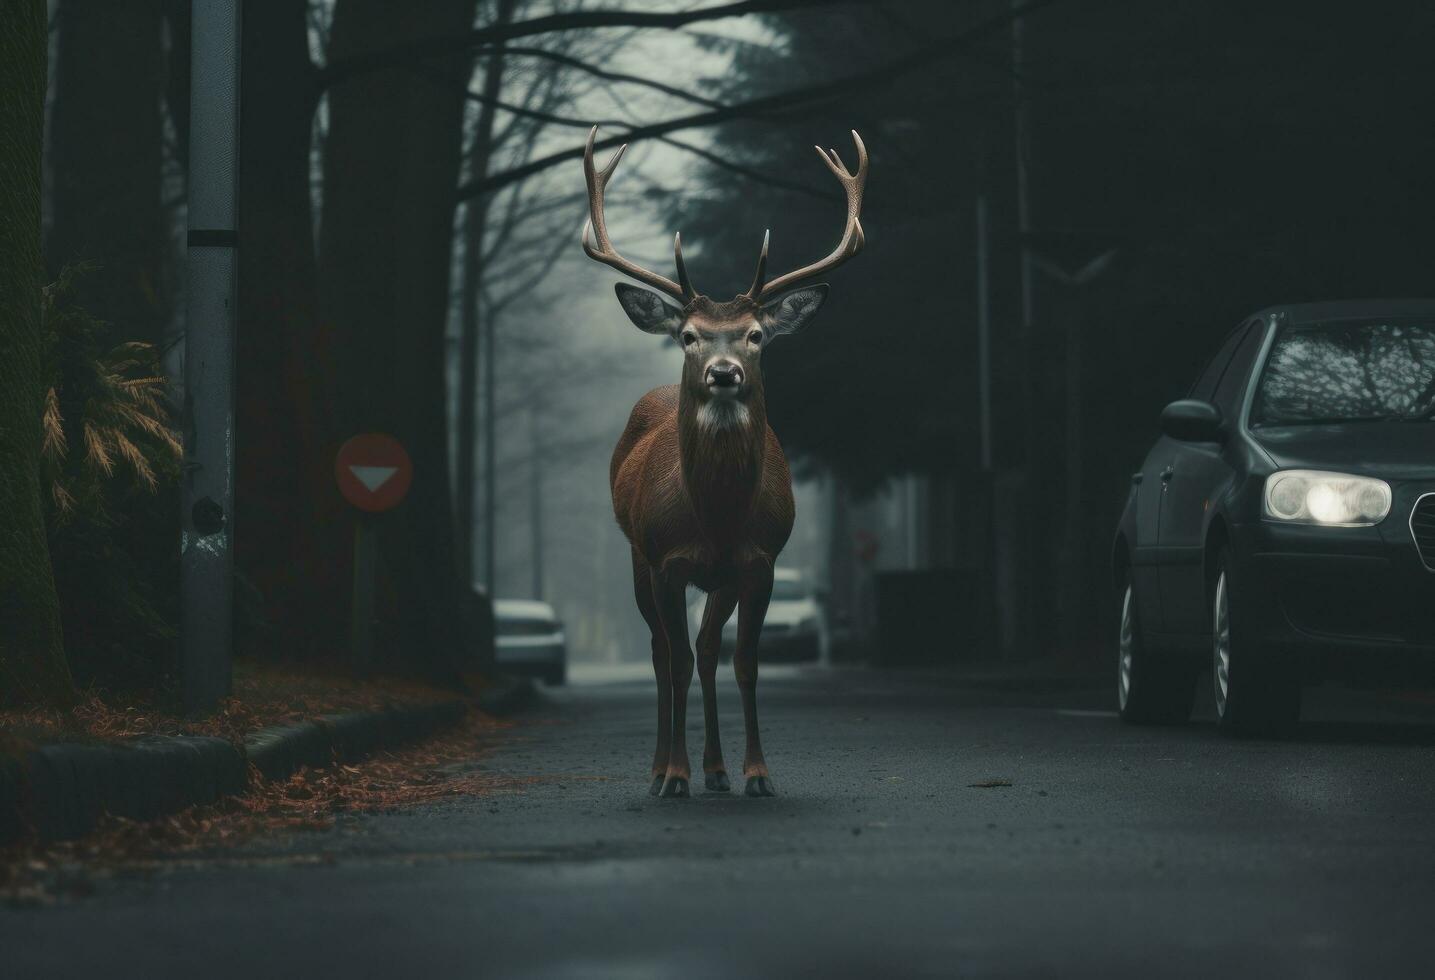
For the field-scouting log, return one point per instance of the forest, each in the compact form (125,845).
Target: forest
(410,199)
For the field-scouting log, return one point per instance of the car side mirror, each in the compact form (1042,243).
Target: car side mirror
(1192,420)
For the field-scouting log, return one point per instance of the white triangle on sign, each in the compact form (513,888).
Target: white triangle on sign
(373,477)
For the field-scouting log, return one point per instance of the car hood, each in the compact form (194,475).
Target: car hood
(1392,450)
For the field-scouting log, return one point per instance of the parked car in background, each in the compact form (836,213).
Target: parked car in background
(1282,528)
(794,629)
(529,640)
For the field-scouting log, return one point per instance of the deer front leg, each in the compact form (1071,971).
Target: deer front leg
(751,612)
(668,594)
(643,592)
(665,710)
(719,607)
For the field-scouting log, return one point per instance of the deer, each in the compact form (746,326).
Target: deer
(700,485)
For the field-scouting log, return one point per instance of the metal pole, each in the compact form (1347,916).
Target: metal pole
(1023,201)
(1025,628)
(490,456)
(1072,538)
(536,501)
(361,626)
(207,488)
(984,337)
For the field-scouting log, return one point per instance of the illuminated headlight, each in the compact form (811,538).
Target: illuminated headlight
(1331,499)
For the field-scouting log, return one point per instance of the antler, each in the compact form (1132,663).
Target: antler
(682,290)
(852,239)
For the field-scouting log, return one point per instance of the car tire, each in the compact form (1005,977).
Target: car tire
(1150,689)
(1256,691)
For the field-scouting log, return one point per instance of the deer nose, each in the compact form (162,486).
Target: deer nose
(724,374)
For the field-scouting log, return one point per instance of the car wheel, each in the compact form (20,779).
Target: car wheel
(1150,689)
(1256,692)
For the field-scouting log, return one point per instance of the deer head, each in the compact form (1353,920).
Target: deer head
(722,342)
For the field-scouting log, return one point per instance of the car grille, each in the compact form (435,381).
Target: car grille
(1422,527)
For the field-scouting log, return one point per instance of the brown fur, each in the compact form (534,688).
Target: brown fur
(716,501)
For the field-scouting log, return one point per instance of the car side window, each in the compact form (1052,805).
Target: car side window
(1232,386)
(1205,386)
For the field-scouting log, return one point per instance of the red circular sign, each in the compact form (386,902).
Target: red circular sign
(374,471)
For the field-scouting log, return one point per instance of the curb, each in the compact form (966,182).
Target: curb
(60,791)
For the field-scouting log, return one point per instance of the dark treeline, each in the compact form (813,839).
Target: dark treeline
(1211,158)
(1184,163)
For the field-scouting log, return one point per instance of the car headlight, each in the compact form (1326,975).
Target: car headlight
(1330,499)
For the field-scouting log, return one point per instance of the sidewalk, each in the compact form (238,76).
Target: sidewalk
(62,773)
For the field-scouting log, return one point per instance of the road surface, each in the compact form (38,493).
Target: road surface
(1113,852)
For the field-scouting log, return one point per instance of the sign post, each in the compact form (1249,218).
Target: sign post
(374,473)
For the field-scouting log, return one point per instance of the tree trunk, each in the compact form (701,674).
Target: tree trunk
(32,658)
(106,138)
(390,169)
(289,542)
(480,151)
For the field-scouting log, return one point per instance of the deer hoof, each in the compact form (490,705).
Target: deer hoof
(674,786)
(760,786)
(716,782)
(657,786)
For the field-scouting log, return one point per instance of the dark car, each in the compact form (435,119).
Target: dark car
(1282,529)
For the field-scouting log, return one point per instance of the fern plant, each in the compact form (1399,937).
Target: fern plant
(111,462)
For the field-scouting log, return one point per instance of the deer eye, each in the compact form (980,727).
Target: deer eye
(689,338)
(755,337)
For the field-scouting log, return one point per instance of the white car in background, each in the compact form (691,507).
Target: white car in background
(529,641)
(794,629)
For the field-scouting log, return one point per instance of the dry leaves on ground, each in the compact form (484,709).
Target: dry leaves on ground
(438,768)
(263,695)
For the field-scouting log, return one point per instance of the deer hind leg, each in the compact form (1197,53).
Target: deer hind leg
(719,608)
(669,594)
(643,591)
(752,610)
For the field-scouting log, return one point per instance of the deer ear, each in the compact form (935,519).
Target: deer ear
(649,311)
(791,311)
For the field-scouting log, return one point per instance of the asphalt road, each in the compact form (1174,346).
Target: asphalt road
(1113,852)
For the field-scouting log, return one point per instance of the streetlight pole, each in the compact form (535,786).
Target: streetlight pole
(207,487)
(490,455)
(535,499)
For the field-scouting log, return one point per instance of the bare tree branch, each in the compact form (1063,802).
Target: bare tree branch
(613,76)
(438,47)
(749,172)
(778,102)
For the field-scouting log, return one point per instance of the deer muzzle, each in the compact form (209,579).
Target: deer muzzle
(724,377)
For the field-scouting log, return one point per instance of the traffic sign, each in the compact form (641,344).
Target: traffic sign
(374,471)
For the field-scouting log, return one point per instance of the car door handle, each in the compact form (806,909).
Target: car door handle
(1167,473)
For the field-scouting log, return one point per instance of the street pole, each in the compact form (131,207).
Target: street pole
(207,487)
(984,338)
(490,456)
(1072,539)
(535,502)
(1021,611)
(361,622)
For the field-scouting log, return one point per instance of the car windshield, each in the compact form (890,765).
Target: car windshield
(1348,371)
(786,590)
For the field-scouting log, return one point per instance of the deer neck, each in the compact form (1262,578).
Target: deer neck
(722,445)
